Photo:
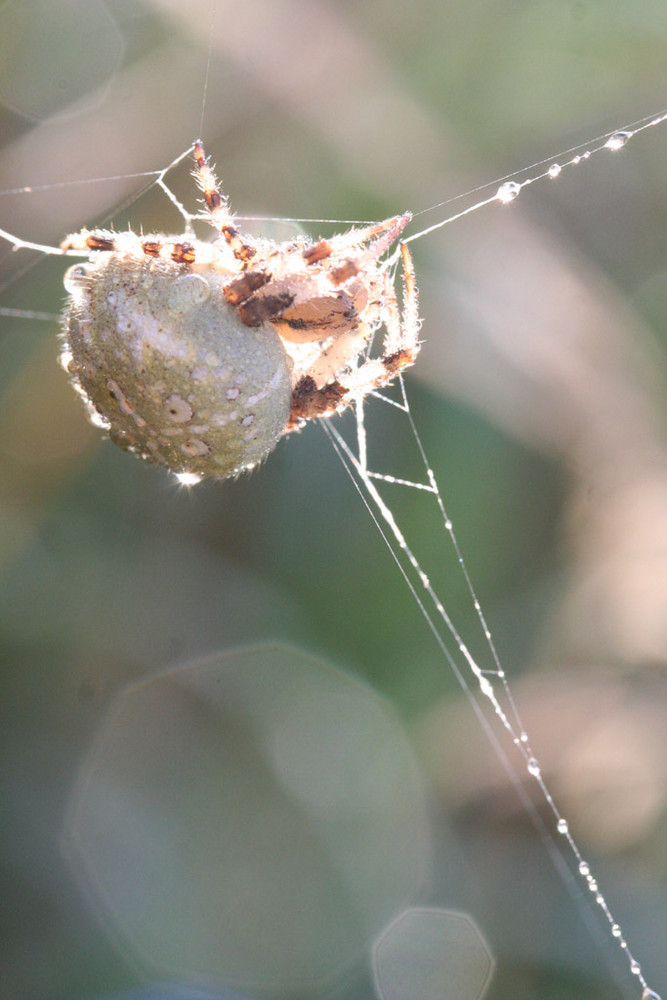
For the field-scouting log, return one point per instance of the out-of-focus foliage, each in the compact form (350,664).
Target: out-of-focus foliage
(538,394)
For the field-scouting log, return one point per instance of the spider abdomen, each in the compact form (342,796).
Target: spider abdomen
(166,364)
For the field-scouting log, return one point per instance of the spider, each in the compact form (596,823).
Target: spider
(201,356)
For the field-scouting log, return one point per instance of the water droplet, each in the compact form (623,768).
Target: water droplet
(97,420)
(508,192)
(188,478)
(524,736)
(75,278)
(617,140)
(584,868)
(64,360)
(533,766)
(448,525)
(635,967)
(554,170)
(562,826)
(615,930)
(485,687)
(592,885)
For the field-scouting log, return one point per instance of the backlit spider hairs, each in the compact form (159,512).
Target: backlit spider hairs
(200,356)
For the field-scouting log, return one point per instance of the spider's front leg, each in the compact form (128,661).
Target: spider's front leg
(216,203)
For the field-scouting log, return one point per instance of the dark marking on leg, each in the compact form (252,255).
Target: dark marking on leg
(317,318)
(302,324)
(258,310)
(94,241)
(318,251)
(242,251)
(217,204)
(200,155)
(240,289)
(213,199)
(308,401)
(347,269)
(151,248)
(395,363)
(183,253)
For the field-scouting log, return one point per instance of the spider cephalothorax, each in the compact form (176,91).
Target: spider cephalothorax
(200,356)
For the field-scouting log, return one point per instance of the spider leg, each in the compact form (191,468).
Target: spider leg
(84,243)
(180,251)
(262,296)
(301,305)
(382,235)
(323,363)
(309,401)
(403,330)
(411,322)
(401,346)
(389,229)
(218,208)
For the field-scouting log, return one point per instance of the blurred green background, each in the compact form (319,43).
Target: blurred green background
(539,394)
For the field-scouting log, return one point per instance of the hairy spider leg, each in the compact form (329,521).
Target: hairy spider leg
(263,294)
(217,206)
(411,322)
(84,243)
(382,234)
(324,248)
(105,241)
(401,342)
(394,225)
(401,346)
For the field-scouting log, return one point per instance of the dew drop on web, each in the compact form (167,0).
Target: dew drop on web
(508,192)
(533,767)
(618,140)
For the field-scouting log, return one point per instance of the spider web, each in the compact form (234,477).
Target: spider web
(490,681)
